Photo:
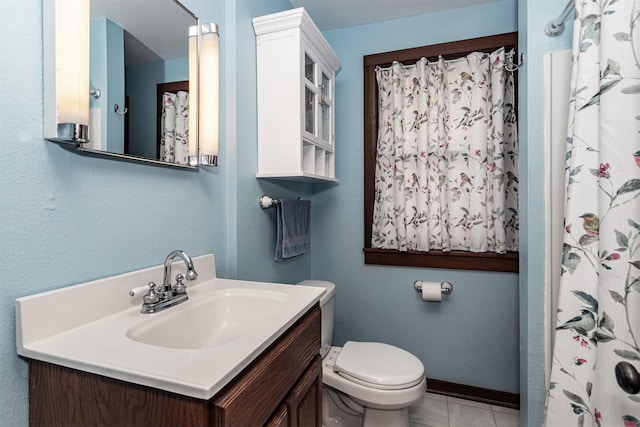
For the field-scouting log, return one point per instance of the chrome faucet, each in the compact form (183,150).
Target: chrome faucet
(191,271)
(169,295)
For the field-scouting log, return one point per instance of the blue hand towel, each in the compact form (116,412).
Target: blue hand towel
(292,231)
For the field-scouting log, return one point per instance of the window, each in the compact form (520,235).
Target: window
(454,259)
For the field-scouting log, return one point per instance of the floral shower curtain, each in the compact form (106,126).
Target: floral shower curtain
(446,168)
(594,379)
(174,142)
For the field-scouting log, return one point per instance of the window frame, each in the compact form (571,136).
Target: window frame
(485,261)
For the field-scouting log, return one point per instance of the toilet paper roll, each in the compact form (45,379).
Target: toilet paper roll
(431,291)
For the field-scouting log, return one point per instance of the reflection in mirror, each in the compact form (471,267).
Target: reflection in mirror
(137,47)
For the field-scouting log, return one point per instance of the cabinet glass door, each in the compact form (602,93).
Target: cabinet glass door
(309,69)
(309,95)
(309,110)
(326,104)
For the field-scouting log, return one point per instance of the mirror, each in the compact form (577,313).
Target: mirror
(139,55)
(135,47)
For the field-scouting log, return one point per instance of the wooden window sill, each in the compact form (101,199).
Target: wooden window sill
(455,260)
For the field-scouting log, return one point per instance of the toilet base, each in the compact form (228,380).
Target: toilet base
(339,410)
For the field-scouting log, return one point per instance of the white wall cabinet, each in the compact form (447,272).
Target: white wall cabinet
(296,70)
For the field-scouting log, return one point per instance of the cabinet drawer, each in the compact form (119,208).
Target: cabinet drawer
(259,390)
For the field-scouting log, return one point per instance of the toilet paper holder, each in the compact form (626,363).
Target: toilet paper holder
(445,287)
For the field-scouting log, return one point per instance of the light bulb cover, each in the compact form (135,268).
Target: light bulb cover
(209,94)
(72,72)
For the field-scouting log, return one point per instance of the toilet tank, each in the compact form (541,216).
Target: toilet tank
(327,304)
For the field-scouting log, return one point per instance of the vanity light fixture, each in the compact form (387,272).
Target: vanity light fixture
(65,72)
(208,94)
(204,71)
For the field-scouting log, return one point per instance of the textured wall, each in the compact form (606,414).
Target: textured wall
(255,226)
(67,219)
(472,337)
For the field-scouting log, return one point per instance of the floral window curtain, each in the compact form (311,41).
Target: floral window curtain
(174,143)
(596,358)
(446,169)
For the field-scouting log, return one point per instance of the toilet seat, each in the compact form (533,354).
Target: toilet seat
(367,395)
(379,366)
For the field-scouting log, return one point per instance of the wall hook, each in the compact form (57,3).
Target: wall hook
(512,66)
(116,109)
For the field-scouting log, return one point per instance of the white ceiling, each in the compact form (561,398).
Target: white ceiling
(331,14)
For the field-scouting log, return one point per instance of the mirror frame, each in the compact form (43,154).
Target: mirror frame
(50,56)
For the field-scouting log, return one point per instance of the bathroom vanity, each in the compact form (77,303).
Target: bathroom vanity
(282,387)
(253,359)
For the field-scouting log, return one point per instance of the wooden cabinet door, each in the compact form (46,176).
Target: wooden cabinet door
(280,418)
(250,400)
(304,403)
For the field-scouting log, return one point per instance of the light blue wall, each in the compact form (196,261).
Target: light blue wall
(472,337)
(66,219)
(99,76)
(107,74)
(115,91)
(141,82)
(256,227)
(488,299)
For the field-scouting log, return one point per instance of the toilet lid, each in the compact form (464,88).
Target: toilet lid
(379,365)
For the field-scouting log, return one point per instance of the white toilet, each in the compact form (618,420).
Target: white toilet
(366,384)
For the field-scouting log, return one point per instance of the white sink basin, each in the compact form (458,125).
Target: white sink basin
(194,348)
(215,320)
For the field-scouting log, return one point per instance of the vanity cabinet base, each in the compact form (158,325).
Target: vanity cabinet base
(282,387)
(60,396)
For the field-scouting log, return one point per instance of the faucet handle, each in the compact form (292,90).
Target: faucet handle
(152,296)
(179,288)
(139,290)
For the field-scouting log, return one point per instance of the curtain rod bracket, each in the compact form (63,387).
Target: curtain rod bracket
(556,27)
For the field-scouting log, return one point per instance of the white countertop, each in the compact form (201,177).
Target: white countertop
(84,327)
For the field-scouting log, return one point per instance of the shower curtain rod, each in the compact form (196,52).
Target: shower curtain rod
(556,27)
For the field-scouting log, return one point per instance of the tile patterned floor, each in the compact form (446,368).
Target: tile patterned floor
(435,410)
